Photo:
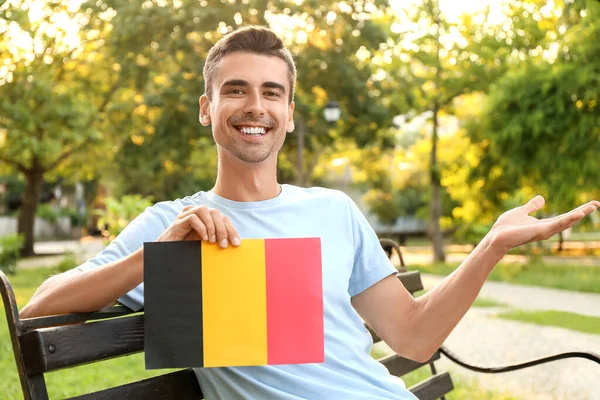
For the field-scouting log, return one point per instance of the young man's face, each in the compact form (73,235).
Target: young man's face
(249,111)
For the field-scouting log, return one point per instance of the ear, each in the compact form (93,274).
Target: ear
(290,121)
(204,116)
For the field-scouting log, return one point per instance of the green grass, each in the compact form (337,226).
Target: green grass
(463,388)
(65,383)
(581,279)
(484,302)
(562,319)
(97,376)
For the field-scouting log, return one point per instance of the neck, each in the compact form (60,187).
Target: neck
(241,181)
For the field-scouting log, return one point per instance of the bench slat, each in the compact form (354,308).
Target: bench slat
(411,281)
(49,349)
(433,387)
(64,319)
(399,366)
(180,385)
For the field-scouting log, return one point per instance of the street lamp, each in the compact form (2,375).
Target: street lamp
(332,112)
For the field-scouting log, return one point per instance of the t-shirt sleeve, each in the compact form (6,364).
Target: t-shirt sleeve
(371,264)
(147,227)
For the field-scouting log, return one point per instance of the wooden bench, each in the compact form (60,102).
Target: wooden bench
(51,343)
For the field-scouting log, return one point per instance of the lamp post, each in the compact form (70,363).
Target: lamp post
(331,112)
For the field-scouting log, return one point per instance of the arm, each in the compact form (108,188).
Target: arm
(90,290)
(86,291)
(416,328)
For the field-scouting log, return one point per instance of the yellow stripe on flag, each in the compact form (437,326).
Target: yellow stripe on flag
(234,311)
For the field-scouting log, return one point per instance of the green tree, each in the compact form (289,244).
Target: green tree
(329,41)
(438,60)
(540,124)
(55,86)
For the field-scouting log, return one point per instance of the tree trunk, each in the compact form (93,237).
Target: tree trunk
(435,231)
(300,132)
(561,241)
(34,178)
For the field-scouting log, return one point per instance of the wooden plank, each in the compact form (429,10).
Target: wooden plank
(29,324)
(180,385)
(49,349)
(399,366)
(433,387)
(33,385)
(411,281)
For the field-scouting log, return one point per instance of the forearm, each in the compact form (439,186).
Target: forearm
(437,313)
(86,291)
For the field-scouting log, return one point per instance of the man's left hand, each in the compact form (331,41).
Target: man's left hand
(516,227)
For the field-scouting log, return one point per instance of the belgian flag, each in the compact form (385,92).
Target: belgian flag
(257,304)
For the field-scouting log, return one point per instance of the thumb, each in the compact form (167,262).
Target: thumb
(534,204)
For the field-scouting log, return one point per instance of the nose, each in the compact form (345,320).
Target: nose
(254,104)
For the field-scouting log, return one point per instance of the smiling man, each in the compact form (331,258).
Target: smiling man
(248,101)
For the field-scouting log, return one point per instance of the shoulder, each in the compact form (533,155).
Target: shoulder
(168,210)
(318,194)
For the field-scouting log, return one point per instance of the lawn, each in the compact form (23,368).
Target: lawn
(65,383)
(561,319)
(463,388)
(568,277)
(97,376)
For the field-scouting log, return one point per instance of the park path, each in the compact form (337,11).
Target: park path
(482,339)
(51,253)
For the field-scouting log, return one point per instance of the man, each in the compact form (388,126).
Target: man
(248,101)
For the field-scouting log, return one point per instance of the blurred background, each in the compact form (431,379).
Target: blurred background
(435,116)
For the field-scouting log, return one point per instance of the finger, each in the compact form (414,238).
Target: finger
(194,224)
(204,214)
(587,208)
(566,221)
(234,237)
(534,204)
(184,212)
(220,229)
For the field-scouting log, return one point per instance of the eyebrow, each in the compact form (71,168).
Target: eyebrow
(241,82)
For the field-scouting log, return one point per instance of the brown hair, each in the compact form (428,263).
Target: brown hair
(250,39)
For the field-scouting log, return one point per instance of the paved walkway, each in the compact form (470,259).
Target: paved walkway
(482,339)
(51,253)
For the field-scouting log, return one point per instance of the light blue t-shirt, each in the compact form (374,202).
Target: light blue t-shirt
(352,261)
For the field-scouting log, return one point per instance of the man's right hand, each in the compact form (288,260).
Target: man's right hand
(202,223)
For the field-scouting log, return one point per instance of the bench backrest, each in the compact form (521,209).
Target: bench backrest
(47,344)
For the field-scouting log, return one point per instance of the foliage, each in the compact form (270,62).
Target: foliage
(539,129)
(119,213)
(10,252)
(77,219)
(48,213)
(67,263)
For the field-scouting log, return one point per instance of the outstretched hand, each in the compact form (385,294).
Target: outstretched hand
(516,227)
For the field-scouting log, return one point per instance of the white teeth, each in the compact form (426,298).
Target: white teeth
(253,130)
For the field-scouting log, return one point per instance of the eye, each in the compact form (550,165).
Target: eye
(235,91)
(271,93)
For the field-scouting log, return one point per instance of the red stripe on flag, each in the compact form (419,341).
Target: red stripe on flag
(294,301)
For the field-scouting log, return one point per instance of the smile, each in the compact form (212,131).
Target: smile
(253,130)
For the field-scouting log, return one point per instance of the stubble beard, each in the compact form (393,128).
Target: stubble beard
(245,152)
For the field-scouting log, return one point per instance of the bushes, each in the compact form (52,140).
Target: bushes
(47,212)
(119,213)
(10,252)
